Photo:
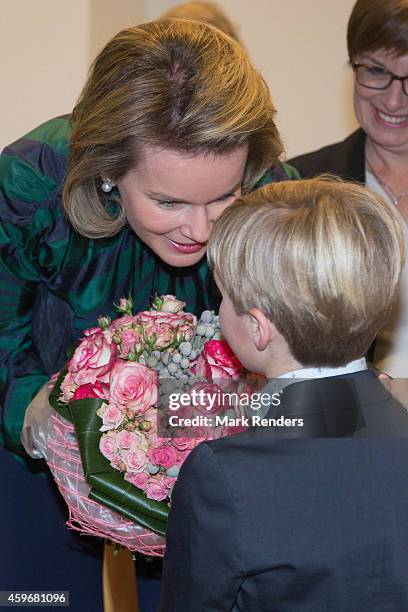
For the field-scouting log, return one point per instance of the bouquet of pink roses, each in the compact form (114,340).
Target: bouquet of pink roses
(113,452)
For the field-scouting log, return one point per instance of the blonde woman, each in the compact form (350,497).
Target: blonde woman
(207,12)
(172,125)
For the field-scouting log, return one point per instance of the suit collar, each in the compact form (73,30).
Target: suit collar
(328,407)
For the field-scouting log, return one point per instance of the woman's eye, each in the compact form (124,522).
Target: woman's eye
(227,196)
(376,71)
(167,204)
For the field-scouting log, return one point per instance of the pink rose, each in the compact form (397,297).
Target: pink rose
(184,332)
(165,455)
(199,434)
(125,439)
(168,303)
(123,322)
(183,443)
(209,398)
(140,441)
(151,416)
(90,390)
(126,335)
(112,416)
(217,362)
(68,388)
(130,342)
(93,358)
(108,448)
(133,385)
(138,479)
(135,460)
(169,482)
(182,324)
(156,488)
(149,317)
(183,454)
(130,336)
(158,335)
(182,411)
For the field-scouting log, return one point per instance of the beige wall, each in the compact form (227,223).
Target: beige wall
(46,47)
(109,16)
(44,56)
(300,47)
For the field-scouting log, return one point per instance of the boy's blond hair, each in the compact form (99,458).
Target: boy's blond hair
(320,258)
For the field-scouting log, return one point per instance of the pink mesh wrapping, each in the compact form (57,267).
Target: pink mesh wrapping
(85,515)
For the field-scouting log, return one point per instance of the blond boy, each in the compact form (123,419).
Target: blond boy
(312,517)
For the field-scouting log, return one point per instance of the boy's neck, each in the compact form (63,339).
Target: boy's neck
(281,366)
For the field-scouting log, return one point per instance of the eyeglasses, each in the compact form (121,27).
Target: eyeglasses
(376,77)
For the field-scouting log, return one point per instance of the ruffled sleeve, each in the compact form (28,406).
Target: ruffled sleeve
(27,191)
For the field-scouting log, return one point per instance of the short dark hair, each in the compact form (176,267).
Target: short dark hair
(378,24)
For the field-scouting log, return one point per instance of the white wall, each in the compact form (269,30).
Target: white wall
(46,47)
(300,47)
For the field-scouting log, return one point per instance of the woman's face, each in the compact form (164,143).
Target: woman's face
(383,114)
(172,200)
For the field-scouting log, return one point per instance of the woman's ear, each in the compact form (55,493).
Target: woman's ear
(262,329)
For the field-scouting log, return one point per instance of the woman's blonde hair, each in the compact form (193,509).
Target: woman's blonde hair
(176,84)
(320,258)
(207,12)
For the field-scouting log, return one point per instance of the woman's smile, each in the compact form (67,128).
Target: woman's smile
(391,121)
(191,247)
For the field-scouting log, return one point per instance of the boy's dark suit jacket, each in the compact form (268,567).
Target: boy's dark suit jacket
(263,522)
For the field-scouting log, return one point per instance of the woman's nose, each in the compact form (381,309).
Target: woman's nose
(394,97)
(198,226)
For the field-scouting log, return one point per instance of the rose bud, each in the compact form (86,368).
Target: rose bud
(145,426)
(104,322)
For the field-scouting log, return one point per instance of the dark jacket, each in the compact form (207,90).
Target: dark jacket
(345,159)
(263,523)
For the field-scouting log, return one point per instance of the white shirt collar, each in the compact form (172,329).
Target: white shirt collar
(358,365)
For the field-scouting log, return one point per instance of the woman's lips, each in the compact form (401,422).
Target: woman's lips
(192,247)
(393,121)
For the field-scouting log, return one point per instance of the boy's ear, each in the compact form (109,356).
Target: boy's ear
(263,330)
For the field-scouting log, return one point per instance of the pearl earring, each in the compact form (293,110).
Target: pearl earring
(107,185)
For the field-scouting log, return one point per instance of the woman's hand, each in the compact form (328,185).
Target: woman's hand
(398,387)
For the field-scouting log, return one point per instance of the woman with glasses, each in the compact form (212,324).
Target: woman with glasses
(377,153)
